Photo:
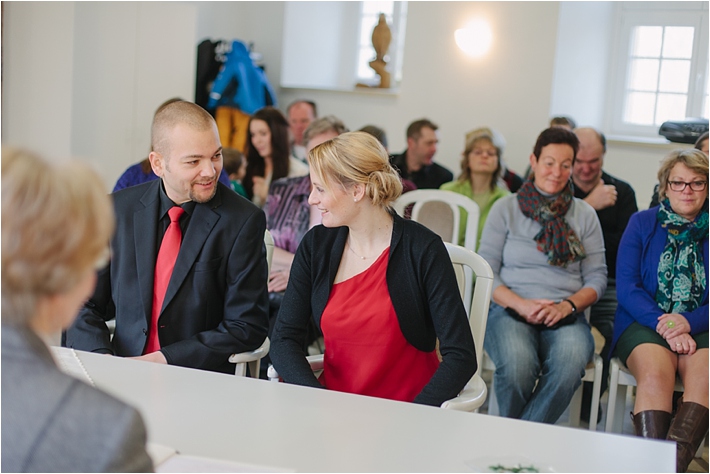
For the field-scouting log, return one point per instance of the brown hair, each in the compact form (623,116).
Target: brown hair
(470,144)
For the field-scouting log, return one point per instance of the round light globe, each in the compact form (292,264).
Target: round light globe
(475,39)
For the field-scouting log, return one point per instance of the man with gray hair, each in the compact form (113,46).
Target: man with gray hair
(186,279)
(615,202)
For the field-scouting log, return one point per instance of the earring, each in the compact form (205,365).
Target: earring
(354,199)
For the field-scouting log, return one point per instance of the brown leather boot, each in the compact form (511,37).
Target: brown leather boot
(688,430)
(651,423)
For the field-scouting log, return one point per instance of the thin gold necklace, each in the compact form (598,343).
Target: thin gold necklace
(358,256)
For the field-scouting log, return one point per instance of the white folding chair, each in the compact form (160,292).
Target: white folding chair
(439,211)
(253,358)
(621,383)
(592,373)
(476,302)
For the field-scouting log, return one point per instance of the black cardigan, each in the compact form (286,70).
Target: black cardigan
(422,286)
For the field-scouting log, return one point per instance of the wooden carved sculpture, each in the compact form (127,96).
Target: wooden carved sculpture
(381,39)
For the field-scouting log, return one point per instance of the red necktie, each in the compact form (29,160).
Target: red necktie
(169,249)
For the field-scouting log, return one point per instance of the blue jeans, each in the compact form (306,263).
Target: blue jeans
(555,359)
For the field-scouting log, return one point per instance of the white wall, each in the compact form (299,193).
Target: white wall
(85,78)
(584,40)
(37,74)
(508,90)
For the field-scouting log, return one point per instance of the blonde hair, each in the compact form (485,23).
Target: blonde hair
(694,159)
(357,158)
(56,224)
(172,114)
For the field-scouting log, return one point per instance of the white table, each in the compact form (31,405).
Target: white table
(297,428)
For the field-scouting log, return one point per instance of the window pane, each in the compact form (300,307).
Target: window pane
(643,75)
(647,41)
(364,71)
(375,8)
(639,108)
(675,75)
(670,107)
(678,42)
(366,27)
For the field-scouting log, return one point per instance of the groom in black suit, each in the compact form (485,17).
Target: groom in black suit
(216,302)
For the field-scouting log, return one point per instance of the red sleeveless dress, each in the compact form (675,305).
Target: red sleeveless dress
(366,352)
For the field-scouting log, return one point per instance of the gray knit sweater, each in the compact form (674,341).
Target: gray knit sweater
(508,245)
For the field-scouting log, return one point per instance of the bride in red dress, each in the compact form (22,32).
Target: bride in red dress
(382,289)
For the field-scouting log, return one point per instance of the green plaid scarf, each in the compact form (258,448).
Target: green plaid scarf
(681,274)
(556,239)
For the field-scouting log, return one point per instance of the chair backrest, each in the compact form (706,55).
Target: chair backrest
(269,243)
(475,291)
(430,209)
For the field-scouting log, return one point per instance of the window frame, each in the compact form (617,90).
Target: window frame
(396,48)
(632,14)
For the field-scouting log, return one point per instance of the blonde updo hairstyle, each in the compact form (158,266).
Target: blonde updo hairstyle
(694,159)
(357,158)
(56,224)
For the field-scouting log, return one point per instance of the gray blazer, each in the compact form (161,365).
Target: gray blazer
(52,422)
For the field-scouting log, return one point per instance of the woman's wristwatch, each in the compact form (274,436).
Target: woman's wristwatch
(571,303)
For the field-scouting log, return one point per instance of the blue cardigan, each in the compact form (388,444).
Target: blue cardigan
(637,276)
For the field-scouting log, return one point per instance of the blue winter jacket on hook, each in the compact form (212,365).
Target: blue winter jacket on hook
(241,83)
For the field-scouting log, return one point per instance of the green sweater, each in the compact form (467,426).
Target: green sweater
(485,202)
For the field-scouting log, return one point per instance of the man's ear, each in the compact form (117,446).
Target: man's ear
(157,162)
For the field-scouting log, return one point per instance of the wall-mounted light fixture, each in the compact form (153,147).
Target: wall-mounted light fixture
(475,38)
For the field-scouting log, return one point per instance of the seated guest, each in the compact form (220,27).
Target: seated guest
(186,281)
(268,155)
(235,165)
(288,213)
(509,178)
(661,326)
(547,254)
(480,170)
(416,163)
(700,144)
(378,133)
(563,121)
(142,172)
(300,115)
(55,226)
(381,288)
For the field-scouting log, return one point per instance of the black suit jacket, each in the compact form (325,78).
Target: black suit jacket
(216,303)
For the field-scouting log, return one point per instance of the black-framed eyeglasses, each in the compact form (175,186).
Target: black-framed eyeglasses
(679,186)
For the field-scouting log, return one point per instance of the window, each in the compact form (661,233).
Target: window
(395,13)
(326,47)
(662,66)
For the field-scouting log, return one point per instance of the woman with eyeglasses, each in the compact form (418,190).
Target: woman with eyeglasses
(661,326)
(480,171)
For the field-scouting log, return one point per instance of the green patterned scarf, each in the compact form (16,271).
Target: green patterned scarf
(681,274)
(556,239)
